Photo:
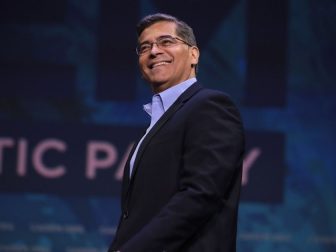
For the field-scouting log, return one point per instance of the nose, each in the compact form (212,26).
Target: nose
(155,49)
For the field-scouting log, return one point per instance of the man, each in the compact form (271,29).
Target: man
(181,183)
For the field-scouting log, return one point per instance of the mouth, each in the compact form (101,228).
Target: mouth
(157,64)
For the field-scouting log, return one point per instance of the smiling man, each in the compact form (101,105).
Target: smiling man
(182,180)
(167,68)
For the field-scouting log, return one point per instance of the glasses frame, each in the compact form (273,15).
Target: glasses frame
(160,46)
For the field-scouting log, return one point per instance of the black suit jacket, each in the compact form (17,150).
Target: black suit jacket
(184,190)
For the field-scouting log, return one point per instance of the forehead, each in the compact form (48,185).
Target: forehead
(158,29)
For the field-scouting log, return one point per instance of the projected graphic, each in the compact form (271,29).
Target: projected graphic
(71,108)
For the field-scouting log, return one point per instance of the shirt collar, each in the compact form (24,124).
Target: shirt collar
(170,95)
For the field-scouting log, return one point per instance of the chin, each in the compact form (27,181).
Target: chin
(159,86)
(158,81)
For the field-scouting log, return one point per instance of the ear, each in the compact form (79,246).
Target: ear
(195,53)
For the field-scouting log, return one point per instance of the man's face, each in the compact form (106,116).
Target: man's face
(166,67)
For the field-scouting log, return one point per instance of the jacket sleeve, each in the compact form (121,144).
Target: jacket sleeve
(212,160)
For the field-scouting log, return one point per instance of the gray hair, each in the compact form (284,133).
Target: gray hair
(183,30)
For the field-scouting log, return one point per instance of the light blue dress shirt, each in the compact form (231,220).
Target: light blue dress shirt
(161,102)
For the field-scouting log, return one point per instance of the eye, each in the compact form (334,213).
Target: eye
(144,47)
(166,42)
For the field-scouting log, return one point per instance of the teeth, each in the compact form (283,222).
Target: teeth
(159,64)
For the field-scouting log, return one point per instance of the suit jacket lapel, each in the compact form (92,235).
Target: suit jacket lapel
(165,117)
(126,175)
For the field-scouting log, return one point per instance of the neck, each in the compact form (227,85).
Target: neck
(160,87)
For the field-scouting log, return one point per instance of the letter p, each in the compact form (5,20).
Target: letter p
(100,155)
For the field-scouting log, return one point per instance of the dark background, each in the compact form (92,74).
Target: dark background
(68,74)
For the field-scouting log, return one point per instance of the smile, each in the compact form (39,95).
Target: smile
(158,64)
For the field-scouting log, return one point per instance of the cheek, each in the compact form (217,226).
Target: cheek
(140,63)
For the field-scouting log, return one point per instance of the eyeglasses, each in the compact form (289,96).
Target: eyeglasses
(161,42)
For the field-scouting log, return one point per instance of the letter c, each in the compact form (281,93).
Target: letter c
(40,149)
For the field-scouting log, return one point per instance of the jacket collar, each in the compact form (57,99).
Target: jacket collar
(183,98)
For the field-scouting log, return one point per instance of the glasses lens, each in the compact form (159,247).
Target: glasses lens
(143,48)
(166,41)
(162,42)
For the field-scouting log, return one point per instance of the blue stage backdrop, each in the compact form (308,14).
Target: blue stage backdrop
(71,107)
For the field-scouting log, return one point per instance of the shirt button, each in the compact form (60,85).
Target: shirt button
(125,215)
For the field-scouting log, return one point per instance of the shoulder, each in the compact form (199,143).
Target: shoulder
(198,98)
(210,96)
(209,93)
(198,91)
(209,103)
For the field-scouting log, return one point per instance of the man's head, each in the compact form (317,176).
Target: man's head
(167,51)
